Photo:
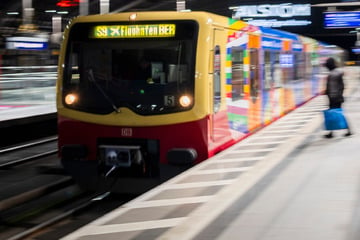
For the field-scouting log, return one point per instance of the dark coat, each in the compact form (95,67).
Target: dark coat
(335,88)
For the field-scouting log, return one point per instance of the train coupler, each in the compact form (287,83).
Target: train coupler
(115,156)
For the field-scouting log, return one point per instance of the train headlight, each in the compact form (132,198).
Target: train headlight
(185,101)
(133,17)
(70,98)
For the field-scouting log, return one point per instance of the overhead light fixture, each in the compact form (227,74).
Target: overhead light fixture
(12,13)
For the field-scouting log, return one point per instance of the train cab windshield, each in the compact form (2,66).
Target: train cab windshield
(148,68)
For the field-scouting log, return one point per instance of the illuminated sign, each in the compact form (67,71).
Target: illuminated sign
(342,19)
(26,43)
(356,50)
(273,15)
(134,31)
(277,23)
(273,10)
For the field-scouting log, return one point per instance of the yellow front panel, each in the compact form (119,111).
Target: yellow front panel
(202,97)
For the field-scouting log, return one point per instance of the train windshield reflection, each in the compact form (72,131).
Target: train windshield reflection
(148,76)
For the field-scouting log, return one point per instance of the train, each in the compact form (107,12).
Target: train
(144,95)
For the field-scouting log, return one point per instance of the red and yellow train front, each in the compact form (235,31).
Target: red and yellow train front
(130,95)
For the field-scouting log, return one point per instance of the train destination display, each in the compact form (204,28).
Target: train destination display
(134,31)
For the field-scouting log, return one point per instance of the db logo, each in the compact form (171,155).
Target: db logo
(126,132)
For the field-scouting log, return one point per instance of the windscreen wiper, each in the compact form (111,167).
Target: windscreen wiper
(92,79)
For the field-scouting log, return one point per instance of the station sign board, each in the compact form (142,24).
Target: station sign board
(274,15)
(26,43)
(342,19)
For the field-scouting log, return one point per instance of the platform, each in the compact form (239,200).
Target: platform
(27,105)
(27,94)
(285,182)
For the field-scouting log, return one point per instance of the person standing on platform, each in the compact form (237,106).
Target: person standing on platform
(335,89)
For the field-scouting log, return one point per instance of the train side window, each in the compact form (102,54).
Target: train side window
(299,66)
(268,70)
(75,75)
(72,71)
(308,66)
(75,71)
(276,72)
(254,74)
(217,79)
(237,82)
(272,70)
(287,65)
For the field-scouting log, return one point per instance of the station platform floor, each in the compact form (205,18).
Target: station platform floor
(285,182)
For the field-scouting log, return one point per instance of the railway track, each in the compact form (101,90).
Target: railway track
(25,171)
(71,215)
(20,154)
(37,195)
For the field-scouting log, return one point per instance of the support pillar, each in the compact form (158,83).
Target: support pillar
(84,7)
(28,11)
(180,5)
(104,6)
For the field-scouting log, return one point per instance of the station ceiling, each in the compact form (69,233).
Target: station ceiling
(43,19)
(9,23)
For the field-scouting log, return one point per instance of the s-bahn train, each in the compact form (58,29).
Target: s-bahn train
(141,94)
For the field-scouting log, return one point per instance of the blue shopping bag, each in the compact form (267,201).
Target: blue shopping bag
(335,119)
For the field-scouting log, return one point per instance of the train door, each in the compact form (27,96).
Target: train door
(219,122)
(217,80)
